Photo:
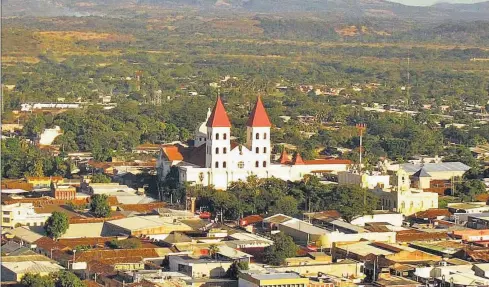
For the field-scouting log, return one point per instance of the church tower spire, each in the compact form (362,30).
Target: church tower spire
(258,135)
(218,143)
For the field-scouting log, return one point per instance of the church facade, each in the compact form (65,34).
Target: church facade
(214,159)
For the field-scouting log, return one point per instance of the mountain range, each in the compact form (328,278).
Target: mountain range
(346,9)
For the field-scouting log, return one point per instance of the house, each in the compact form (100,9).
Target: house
(18,214)
(42,181)
(15,267)
(258,279)
(214,159)
(396,281)
(64,192)
(145,225)
(468,207)
(199,267)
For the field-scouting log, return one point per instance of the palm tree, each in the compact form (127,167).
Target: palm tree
(213,250)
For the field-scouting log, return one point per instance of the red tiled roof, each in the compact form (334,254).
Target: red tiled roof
(251,219)
(298,160)
(416,235)
(258,116)
(99,267)
(172,153)
(146,207)
(431,213)
(284,157)
(47,244)
(482,197)
(219,117)
(116,255)
(92,241)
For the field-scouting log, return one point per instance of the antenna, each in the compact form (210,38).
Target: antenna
(361,127)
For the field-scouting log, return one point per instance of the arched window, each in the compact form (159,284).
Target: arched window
(265,150)
(224,150)
(217,136)
(224,136)
(257,150)
(217,164)
(240,164)
(217,150)
(224,164)
(264,136)
(257,136)
(257,164)
(264,163)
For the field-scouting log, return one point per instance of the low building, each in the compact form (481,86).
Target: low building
(42,181)
(15,267)
(199,267)
(395,281)
(250,279)
(478,221)
(18,214)
(468,207)
(63,192)
(145,225)
(364,180)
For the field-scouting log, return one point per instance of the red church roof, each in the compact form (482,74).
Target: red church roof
(284,157)
(258,116)
(219,117)
(298,160)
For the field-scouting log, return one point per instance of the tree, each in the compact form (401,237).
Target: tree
(130,243)
(36,280)
(283,247)
(469,189)
(99,205)
(286,205)
(68,279)
(57,224)
(351,201)
(100,178)
(235,268)
(213,250)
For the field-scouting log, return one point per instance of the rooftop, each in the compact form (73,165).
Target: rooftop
(435,167)
(31,267)
(274,276)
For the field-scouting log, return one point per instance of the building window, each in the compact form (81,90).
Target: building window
(224,150)
(224,164)
(217,136)
(265,150)
(6,212)
(6,220)
(257,150)
(257,164)
(264,163)
(257,136)
(240,164)
(224,136)
(217,150)
(264,136)
(217,164)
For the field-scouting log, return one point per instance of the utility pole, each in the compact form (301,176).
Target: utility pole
(361,129)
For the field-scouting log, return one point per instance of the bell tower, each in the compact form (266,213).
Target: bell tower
(258,135)
(218,143)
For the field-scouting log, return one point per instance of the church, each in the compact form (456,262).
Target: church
(215,159)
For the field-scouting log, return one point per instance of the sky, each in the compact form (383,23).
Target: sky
(431,2)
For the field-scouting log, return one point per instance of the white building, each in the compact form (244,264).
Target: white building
(365,180)
(18,214)
(48,136)
(216,160)
(404,199)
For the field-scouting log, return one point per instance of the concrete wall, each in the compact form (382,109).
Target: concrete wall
(391,218)
(334,269)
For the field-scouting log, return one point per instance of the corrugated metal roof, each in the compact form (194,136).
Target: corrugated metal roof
(435,167)
(32,267)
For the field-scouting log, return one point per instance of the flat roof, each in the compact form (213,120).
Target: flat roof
(364,248)
(304,227)
(274,276)
(143,222)
(435,167)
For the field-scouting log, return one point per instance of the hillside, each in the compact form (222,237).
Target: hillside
(345,9)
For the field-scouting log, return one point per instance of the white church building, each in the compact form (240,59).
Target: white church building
(214,159)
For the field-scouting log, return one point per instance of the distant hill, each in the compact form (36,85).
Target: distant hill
(346,9)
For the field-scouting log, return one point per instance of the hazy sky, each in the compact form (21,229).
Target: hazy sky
(430,2)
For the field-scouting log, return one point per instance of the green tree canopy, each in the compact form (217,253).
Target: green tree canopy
(36,280)
(68,279)
(283,247)
(99,205)
(100,178)
(57,224)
